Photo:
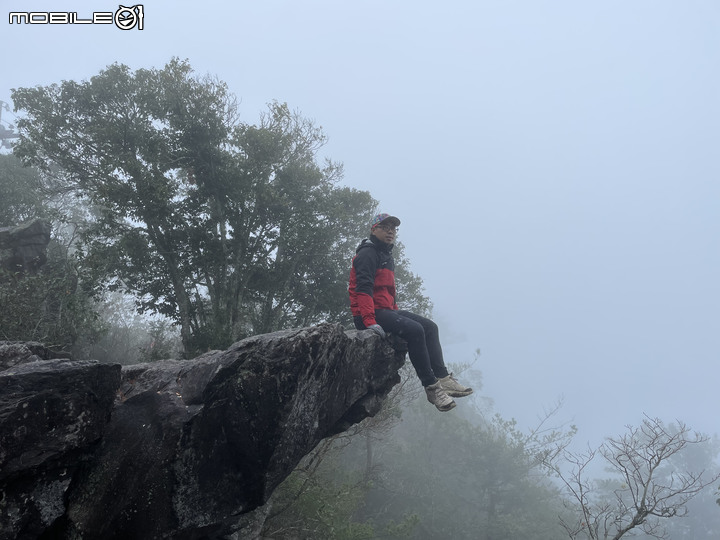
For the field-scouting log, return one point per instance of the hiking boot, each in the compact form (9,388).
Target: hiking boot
(437,396)
(453,388)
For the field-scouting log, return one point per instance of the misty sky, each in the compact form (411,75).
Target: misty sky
(555,165)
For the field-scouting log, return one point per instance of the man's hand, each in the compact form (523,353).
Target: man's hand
(377,329)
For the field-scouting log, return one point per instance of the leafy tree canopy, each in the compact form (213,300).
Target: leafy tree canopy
(226,227)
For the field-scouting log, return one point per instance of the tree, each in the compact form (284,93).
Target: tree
(433,475)
(306,228)
(128,337)
(225,227)
(648,487)
(53,305)
(21,193)
(307,503)
(463,478)
(410,289)
(123,142)
(702,519)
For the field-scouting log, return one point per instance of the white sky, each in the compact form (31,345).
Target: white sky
(555,165)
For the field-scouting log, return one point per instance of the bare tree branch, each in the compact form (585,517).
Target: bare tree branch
(650,487)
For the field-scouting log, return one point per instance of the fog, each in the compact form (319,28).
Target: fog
(554,164)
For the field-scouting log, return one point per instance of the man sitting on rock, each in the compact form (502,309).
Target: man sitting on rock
(372,302)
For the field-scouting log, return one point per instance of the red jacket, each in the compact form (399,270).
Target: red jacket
(372,280)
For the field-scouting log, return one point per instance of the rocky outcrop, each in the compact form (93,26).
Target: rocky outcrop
(23,249)
(52,413)
(16,353)
(177,449)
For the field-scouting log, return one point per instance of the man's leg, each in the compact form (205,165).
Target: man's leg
(432,343)
(432,338)
(414,334)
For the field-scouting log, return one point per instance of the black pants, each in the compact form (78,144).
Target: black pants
(422,337)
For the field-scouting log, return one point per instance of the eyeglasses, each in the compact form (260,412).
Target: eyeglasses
(388,228)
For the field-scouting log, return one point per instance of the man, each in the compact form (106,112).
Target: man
(372,302)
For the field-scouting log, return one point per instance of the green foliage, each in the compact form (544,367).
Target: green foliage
(411,292)
(464,480)
(51,307)
(319,501)
(128,337)
(418,473)
(226,228)
(322,475)
(161,343)
(57,305)
(21,196)
(322,510)
(125,142)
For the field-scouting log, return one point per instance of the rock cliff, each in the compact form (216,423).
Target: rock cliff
(23,248)
(175,449)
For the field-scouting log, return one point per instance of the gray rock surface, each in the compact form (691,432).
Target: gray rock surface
(184,449)
(23,248)
(52,413)
(13,353)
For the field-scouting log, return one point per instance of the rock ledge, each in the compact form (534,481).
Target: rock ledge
(175,449)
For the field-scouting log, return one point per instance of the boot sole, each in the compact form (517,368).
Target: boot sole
(446,409)
(458,394)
